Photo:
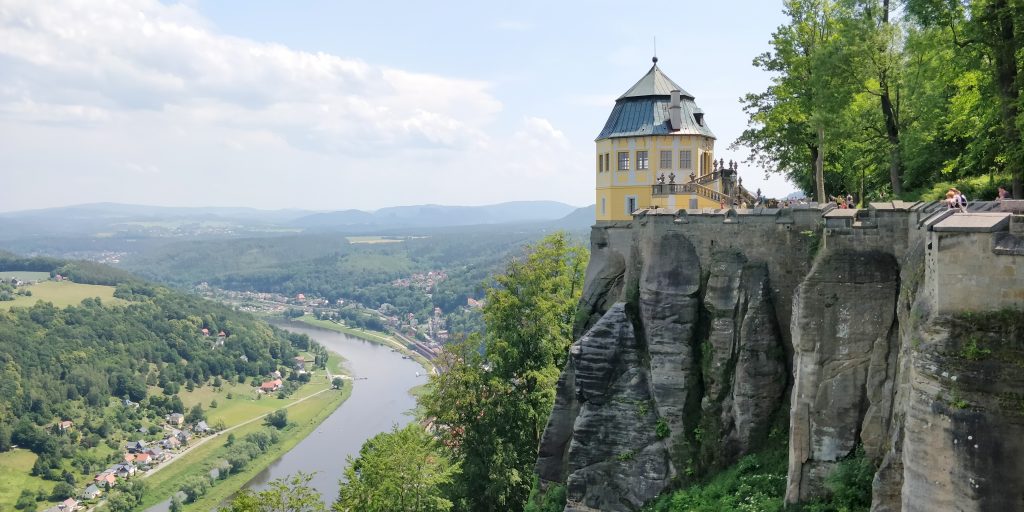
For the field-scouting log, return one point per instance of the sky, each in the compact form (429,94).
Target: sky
(331,105)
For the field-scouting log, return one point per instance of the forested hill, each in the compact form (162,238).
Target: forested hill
(114,368)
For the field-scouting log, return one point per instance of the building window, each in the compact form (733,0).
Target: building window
(599,161)
(666,160)
(602,205)
(684,159)
(630,205)
(641,160)
(623,160)
(607,162)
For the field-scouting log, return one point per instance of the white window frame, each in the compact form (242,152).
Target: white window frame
(666,163)
(685,159)
(643,160)
(623,158)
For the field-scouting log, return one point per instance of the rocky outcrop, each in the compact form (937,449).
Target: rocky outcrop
(602,442)
(964,430)
(602,285)
(629,403)
(845,344)
(669,311)
(744,367)
(695,328)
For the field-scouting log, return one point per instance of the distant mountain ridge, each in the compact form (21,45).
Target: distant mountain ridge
(433,215)
(140,220)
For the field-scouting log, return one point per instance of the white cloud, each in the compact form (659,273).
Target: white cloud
(86,60)
(137,101)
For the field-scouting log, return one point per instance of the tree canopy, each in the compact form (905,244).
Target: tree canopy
(884,101)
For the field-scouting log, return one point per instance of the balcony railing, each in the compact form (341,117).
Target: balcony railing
(668,189)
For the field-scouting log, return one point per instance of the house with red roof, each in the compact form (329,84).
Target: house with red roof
(106,479)
(271,385)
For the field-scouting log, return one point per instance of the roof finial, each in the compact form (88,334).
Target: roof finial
(655,58)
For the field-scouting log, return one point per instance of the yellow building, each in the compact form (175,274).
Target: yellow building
(656,150)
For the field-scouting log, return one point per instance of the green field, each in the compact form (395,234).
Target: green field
(62,294)
(15,466)
(24,275)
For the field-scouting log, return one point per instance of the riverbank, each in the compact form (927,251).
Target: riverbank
(371,336)
(305,414)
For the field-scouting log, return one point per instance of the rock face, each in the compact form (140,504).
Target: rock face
(744,367)
(964,429)
(682,360)
(604,438)
(844,342)
(632,394)
(669,312)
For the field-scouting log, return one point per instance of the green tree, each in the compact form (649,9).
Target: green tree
(26,500)
(176,505)
(277,419)
(337,383)
(992,28)
(195,414)
(398,471)
(291,494)
(493,396)
(62,491)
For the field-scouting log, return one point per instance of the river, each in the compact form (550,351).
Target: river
(380,398)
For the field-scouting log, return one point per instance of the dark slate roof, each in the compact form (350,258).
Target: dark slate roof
(649,116)
(654,83)
(643,110)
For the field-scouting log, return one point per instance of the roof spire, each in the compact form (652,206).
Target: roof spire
(655,58)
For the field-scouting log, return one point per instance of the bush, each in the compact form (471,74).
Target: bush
(277,419)
(850,483)
(552,501)
(26,500)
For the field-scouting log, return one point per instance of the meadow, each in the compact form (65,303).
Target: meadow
(61,294)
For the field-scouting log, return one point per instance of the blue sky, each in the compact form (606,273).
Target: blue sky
(334,105)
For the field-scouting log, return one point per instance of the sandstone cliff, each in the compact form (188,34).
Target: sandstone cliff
(699,333)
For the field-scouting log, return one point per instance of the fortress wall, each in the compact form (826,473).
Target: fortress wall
(968,275)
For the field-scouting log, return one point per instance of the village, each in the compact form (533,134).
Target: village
(152,451)
(425,336)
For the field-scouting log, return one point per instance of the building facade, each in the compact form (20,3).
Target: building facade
(656,149)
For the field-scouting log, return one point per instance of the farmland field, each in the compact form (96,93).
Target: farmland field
(62,294)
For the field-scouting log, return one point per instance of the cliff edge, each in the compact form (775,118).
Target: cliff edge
(895,330)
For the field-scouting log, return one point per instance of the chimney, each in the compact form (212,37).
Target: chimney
(675,111)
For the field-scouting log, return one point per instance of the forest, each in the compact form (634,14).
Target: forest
(113,369)
(892,98)
(331,267)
